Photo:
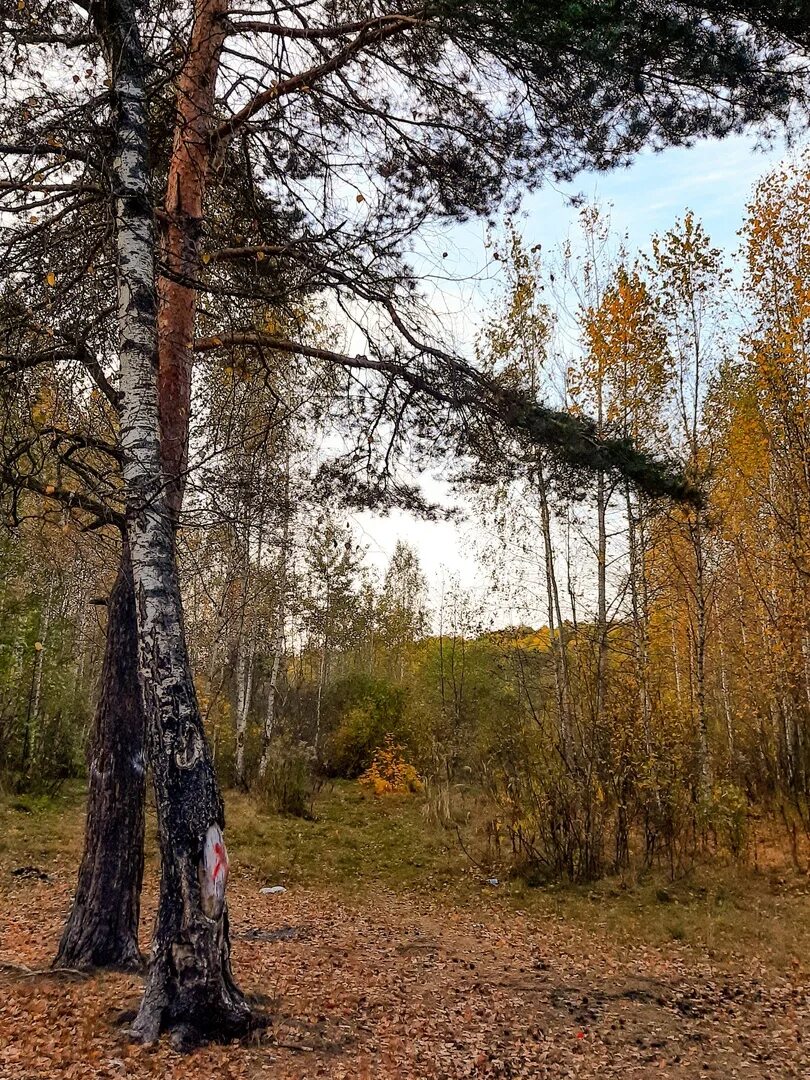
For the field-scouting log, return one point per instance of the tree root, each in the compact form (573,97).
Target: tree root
(192,1015)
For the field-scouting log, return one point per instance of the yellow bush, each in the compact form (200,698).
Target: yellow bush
(389,773)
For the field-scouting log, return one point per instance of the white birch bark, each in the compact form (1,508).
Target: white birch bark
(280,618)
(190,987)
(272,697)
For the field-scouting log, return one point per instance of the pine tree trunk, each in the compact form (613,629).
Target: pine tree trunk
(102,927)
(186,185)
(190,989)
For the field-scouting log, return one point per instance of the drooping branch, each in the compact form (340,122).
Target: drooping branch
(574,439)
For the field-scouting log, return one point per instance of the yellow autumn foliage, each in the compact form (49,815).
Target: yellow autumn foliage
(389,773)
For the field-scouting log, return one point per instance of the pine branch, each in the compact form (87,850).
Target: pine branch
(574,439)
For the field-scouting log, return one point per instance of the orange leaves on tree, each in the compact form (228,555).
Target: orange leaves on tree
(389,773)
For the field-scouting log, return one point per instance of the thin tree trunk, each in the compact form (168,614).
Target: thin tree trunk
(272,696)
(29,747)
(244,695)
(44,628)
(81,647)
(102,927)
(557,642)
(704,765)
(278,649)
(190,988)
(281,609)
(640,620)
(319,697)
(247,659)
(676,667)
(724,683)
(601,596)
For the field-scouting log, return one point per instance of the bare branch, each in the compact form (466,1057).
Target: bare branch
(307,79)
(44,150)
(72,500)
(318,33)
(21,185)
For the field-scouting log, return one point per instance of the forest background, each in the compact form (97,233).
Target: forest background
(656,708)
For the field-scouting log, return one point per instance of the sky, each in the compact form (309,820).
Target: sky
(713,179)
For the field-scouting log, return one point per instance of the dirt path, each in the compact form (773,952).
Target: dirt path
(385,988)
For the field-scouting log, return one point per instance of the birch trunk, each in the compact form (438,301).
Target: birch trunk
(247,657)
(244,696)
(272,696)
(280,615)
(676,666)
(640,616)
(700,636)
(44,629)
(557,641)
(190,988)
(601,597)
(29,751)
(724,689)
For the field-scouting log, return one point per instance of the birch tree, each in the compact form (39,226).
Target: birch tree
(189,987)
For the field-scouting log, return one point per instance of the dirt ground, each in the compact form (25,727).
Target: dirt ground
(392,986)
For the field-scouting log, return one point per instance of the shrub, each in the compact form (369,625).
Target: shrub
(726,813)
(361,710)
(290,784)
(389,773)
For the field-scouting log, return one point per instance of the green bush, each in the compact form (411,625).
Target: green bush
(361,710)
(726,813)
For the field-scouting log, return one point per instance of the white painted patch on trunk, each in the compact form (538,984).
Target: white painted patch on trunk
(213,873)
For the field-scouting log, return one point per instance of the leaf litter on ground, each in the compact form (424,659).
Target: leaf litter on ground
(403,987)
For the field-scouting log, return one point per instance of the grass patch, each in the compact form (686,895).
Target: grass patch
(729,913)
(355,840)
(41,830)
(358,842)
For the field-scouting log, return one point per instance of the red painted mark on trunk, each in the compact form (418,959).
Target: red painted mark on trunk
(222,860)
